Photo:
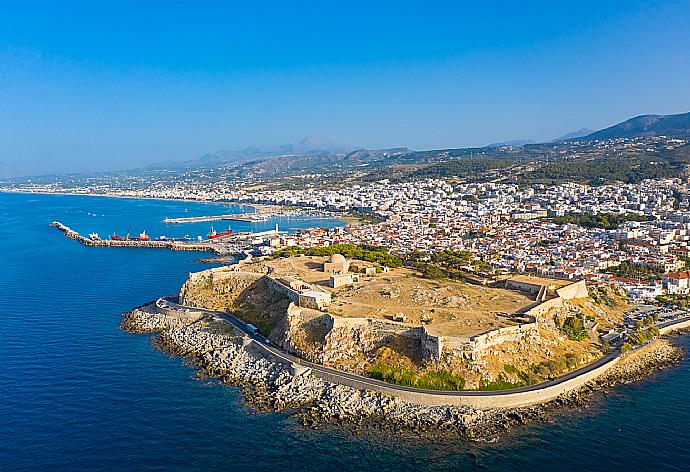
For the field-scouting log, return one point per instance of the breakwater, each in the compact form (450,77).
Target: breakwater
(167,244)
(248,218)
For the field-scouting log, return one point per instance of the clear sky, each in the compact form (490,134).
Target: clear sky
(111,85)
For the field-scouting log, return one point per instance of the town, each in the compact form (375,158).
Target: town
(628,241)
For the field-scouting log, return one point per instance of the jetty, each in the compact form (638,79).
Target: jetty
(244,217)
(159,244)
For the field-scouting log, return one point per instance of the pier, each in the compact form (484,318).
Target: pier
(165,244)
(247,218)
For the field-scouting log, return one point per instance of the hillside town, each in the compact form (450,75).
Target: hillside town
(507,228)
(512,229)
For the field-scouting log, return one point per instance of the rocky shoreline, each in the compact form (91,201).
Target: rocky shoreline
(219,351)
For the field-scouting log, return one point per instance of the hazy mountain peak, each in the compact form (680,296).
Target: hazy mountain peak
(575,134)
(311,145)
(512,143)
(646,125)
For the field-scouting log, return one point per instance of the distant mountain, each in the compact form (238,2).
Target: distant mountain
(324,162)
(7,171)
(512,143)
(575,134)
(646,125)
(366,155)
(311,146)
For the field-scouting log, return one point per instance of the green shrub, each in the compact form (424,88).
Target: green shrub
(430,380)
(440,380)
(575,329)
(363,252)
(499,384)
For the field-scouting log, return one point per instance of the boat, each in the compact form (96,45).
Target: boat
(213,234)
(142,237)
(94,237)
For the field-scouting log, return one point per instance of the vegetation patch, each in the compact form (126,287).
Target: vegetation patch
(363,252)
(601,220)
(469,167)
(430,380)
(602,171)
(628,270)
(574,328)
(249,313)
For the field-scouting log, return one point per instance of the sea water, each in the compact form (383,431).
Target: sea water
(78,394)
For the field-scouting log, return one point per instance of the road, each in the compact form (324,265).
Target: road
(272,349)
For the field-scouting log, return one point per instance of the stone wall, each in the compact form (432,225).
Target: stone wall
(221,283)
(352,338)
(574,290)
(303,332)
(546,308)
(483,400)
(321,337)
(275,286)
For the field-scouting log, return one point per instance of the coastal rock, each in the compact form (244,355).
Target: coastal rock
(144,320)
(219,351)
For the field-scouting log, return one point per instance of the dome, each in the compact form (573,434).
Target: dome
(337,259)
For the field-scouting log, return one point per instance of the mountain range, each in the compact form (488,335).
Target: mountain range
(524,142)
(643,125)
(646,125)
(319,154)
(310,146)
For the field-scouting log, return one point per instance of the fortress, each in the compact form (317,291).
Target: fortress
(308,328)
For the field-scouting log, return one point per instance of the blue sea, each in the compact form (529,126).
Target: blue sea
(78,394)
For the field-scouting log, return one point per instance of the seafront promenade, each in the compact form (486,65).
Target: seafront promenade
(510,398)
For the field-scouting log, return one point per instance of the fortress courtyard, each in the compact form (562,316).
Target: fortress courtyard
(446,307)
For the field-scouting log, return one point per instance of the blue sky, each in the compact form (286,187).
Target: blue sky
(112,85)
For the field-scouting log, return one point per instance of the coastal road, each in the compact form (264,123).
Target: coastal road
(367,382)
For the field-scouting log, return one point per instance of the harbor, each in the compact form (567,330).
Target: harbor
(231,244)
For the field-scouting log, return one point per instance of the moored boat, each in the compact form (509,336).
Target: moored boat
(213,234)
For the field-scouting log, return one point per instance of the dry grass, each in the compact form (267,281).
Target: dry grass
(457,308)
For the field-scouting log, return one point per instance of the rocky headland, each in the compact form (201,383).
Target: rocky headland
(218,350)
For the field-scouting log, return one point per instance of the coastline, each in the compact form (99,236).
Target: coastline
(253,207)
(218,351)
(127,197)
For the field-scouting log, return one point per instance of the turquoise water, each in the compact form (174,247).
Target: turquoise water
(77,394)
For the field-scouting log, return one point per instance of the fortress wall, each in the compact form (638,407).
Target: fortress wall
(278,287)
(303,332)
(193,295)
(470,347)
(432,346)
(545,307)
(574,290)
(501,335)
(355,337)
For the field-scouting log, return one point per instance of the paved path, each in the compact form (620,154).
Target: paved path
(268,347)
